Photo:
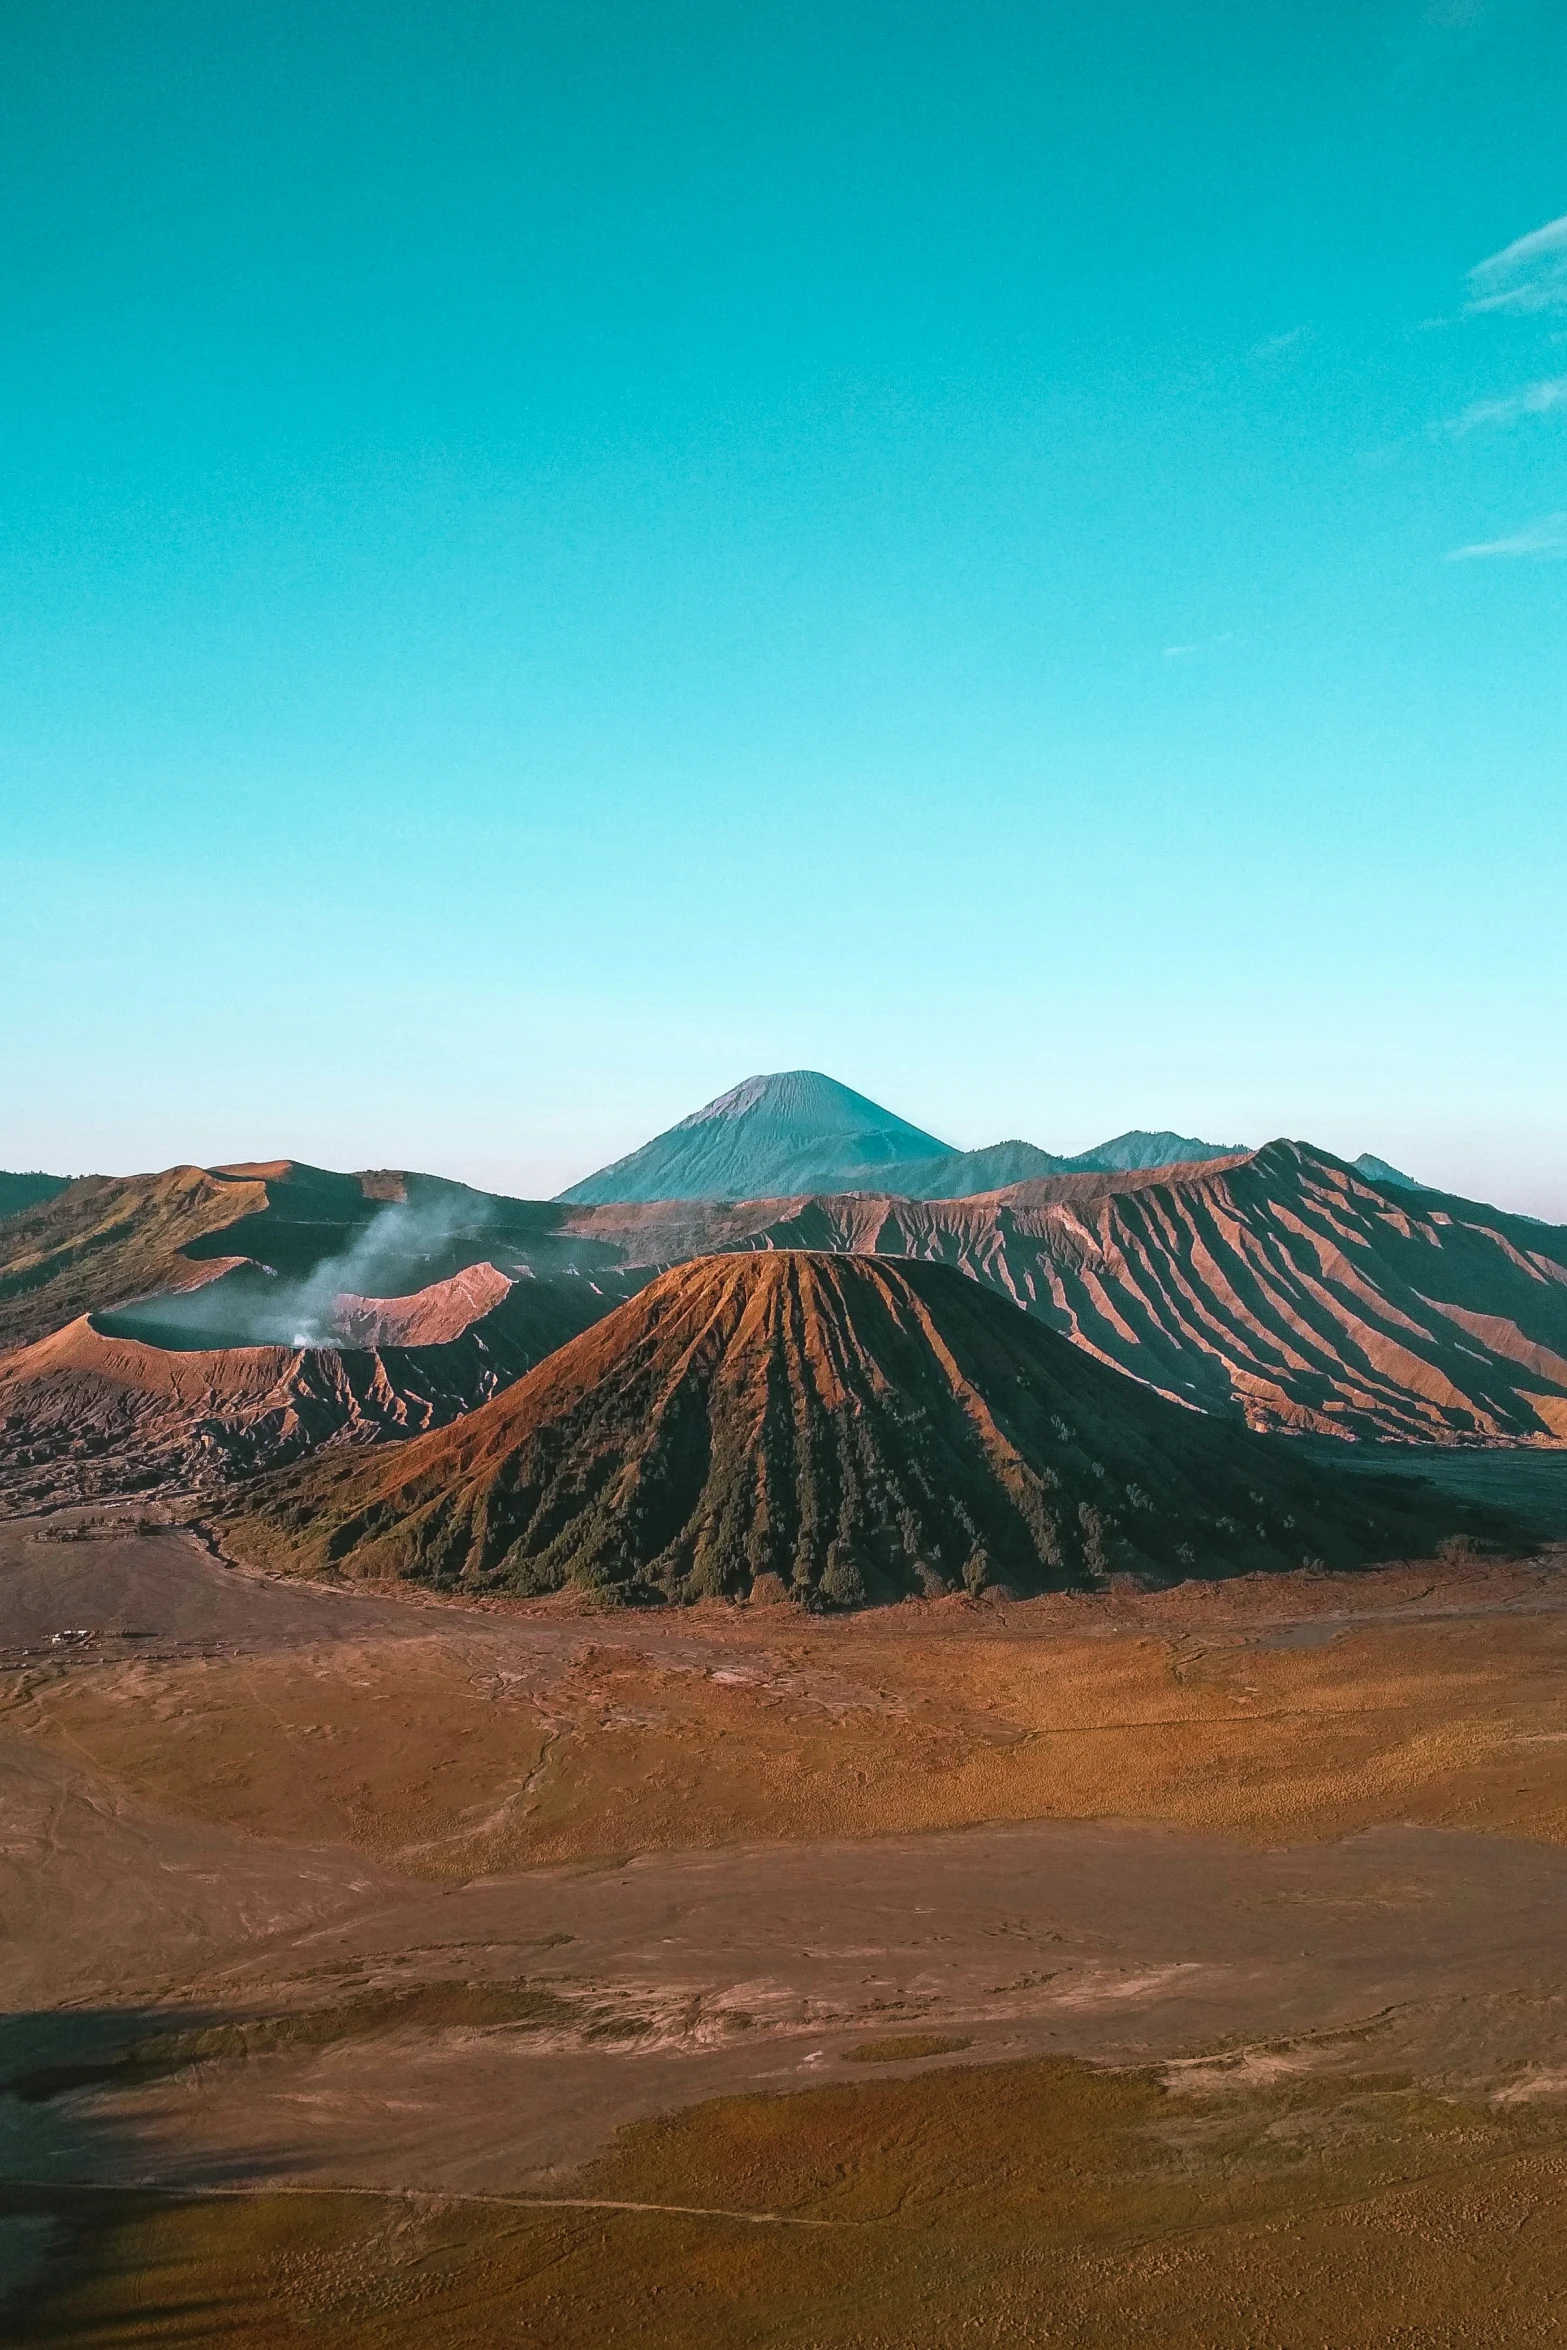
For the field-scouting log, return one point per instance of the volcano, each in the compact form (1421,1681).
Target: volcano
(831,1428)
(771,1137)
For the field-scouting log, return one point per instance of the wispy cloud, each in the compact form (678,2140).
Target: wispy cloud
(1534,400)
(1540,539)
(1276,346)
(1529,274)
(1204,644)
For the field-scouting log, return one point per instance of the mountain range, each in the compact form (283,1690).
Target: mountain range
(797,1132)
(172,1331)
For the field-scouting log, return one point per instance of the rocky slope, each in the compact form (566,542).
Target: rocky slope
(1001,1165)
(1280,1288)
(168,1331)
(97,1409)
(832,1428)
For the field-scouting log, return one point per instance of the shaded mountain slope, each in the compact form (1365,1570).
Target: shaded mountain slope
(788,1134)
(385,1230)
(180,1328)
(852,1428)
(106,1238)
(28,1191)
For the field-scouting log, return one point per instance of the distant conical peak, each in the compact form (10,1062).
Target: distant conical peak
(811,1100)
(780,1136)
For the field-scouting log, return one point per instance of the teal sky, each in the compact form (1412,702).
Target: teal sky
(555,557)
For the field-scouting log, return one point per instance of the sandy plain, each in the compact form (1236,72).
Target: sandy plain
(1185,1967)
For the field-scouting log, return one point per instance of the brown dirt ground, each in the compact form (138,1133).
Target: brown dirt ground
(1034,2204)
(379,1848)
(457,1743)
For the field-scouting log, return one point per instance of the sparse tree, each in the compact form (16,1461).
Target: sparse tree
(842,1583)
(977,1575)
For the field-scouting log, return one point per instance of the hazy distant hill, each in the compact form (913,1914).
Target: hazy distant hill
(969,1174)
(961,1174)
(852,1429)
(1141,1149)
(1380,1172)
